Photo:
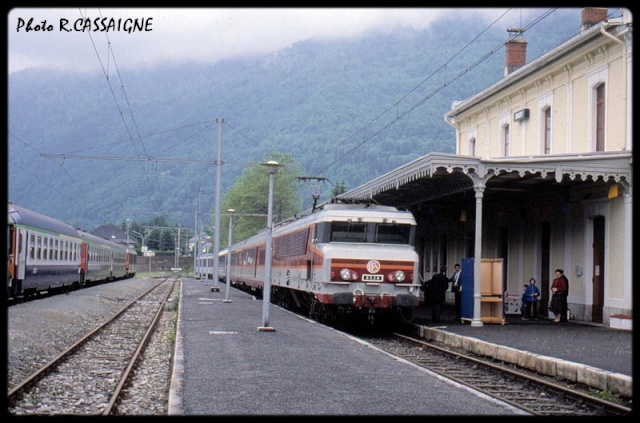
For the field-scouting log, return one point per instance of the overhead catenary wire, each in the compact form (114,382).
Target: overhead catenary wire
(63,193)
(111,54)
(439,88)
(144,156)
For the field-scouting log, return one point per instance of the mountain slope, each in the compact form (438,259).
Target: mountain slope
(348,110)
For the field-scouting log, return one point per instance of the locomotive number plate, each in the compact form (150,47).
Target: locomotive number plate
(372,278)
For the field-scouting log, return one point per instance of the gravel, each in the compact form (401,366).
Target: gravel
(41,329)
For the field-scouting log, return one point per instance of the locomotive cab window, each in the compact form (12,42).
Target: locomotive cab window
(348,232)
(392,233)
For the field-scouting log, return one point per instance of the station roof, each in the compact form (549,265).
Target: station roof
(449,177)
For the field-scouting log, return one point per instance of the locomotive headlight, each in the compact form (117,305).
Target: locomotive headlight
(345,274)
(397,276)
(349,275)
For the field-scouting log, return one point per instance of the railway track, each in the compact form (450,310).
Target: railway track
(89,377)
(529,393)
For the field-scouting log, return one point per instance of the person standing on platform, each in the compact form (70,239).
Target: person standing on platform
(559,289)
(530,301)
(565,305)
(439,286)
(456,288)
(427,292)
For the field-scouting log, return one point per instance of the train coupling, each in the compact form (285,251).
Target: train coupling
(372,301)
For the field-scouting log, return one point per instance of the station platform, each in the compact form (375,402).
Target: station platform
(227,364)
(589,353)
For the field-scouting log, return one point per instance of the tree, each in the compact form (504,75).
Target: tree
(153,239)
(168,240)
(249,197)
(340,187)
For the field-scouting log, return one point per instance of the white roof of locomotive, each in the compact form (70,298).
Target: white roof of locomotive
(340,212)
(346,212)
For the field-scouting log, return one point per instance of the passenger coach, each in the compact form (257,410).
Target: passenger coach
(45,254)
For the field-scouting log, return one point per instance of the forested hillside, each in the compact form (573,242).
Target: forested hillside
(347,110)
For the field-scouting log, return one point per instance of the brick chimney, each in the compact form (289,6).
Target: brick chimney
(516,53)
(592,16)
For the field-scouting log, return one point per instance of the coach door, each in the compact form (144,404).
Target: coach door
(21,253)
(598,269)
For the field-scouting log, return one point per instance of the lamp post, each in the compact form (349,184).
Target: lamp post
(127,225)
(142,237)
(230,212)
(272,168)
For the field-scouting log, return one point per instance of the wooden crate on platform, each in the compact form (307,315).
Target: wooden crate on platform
(491,290)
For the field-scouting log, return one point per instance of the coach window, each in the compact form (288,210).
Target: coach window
(51,249)
(32,247)
(38,247)
(56,245)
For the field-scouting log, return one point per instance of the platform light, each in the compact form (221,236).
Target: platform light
(230,213)
(272,168)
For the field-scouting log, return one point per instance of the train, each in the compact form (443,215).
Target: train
(47,255)
(345,259)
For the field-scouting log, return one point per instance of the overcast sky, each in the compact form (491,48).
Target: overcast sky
(201,34)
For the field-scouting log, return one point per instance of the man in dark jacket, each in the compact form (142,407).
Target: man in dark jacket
(456,288)
(439,285)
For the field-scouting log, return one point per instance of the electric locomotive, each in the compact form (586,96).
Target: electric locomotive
(343,259)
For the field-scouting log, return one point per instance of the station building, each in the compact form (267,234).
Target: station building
(542,175)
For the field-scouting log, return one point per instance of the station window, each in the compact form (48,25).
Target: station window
(547,130)
(599,111)
(506,139)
